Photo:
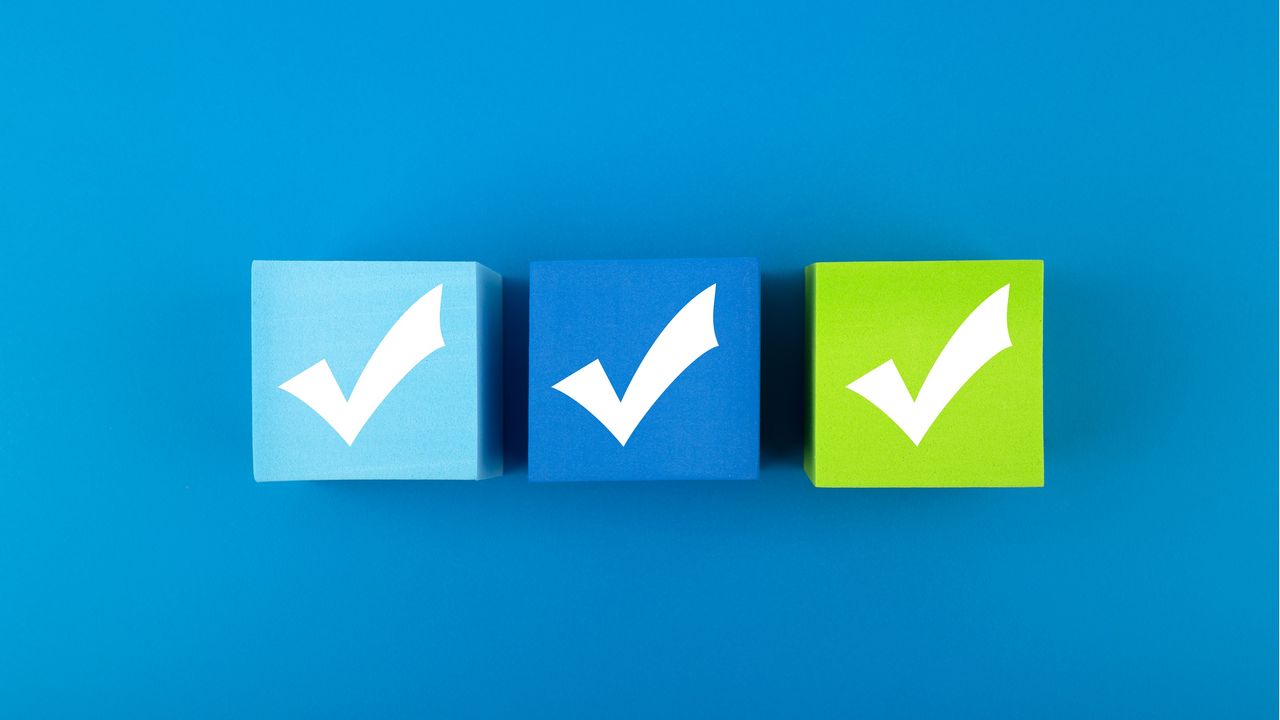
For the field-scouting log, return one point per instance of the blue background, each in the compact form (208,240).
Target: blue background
(705,425)
(149,152)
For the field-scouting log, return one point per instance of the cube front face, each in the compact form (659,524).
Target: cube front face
(644,370)
(410,385)
(961,403)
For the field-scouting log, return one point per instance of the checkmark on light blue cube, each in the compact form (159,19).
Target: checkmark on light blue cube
(644,369)
(376,370)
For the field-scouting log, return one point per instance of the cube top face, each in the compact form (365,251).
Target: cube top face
(375,370)
(644,370)
(961,403)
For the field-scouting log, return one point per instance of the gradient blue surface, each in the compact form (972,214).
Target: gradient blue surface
(150,152)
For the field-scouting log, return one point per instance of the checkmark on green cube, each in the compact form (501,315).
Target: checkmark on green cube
(925,374)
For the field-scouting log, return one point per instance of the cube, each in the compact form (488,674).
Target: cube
(924,374)
(644,370)
(376,370)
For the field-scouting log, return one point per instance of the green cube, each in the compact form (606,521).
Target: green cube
(925,374)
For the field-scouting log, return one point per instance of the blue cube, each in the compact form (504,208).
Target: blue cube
(376,370)
(644,370)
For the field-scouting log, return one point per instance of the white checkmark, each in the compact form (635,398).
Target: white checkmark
(688,335)
(981,336)
(414,336)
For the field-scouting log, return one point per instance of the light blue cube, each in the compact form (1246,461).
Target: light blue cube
(376,370)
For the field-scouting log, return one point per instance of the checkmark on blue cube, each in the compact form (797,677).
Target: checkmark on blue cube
(376,370)
(644,370)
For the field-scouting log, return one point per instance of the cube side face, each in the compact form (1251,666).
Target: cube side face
(810,358)
(989,433)
(427,426)
(703,425)
(489,320)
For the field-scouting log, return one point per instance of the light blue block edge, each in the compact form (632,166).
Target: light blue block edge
(489,356)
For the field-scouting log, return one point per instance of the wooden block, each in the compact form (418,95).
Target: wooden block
(376,370)
(644,370)
(925,374)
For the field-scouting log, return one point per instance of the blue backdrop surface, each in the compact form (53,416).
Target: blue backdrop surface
(149,152)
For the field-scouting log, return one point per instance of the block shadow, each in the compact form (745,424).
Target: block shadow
(782,358)
(515,374)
